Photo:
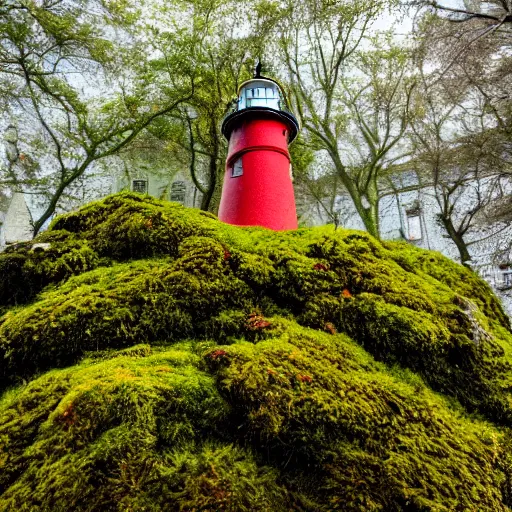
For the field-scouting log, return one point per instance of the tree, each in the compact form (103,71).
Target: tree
(82,87)
(471,46)
(378,107)
(455,155)
(352,104)
(462,140)
(494,12)
(221,57)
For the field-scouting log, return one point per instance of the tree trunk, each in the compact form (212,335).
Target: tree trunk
(457,239)
(369,218)
(212,168)
(369,215)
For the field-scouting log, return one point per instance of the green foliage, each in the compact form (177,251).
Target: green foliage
(64,130)
(192,365)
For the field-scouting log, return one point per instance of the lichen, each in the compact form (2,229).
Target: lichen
(155,358)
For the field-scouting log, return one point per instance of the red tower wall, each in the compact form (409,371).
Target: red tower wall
(263,195)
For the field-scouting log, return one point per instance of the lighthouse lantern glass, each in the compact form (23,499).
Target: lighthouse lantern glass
(260,93)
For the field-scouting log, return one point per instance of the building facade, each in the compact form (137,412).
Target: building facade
(15,221)
(177,187)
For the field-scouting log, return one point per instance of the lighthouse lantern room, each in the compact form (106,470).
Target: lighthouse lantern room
(258,188)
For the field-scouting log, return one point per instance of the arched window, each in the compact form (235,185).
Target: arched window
(413,216)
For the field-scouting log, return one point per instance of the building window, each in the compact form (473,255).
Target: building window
(237,169)
(413,223)
(506,273)
(140,186)
(178,191)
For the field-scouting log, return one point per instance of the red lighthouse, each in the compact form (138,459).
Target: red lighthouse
(258,189)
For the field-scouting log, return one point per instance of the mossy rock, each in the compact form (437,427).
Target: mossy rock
(26,271)
(130,433)
(155,358)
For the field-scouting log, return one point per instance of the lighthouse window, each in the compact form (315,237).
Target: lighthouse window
(259,98)
(238,170)
(262,97)
(266,96)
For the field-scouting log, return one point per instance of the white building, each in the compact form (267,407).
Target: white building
(15,221)
(172,187)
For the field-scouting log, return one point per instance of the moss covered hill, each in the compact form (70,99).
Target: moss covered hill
(153,358)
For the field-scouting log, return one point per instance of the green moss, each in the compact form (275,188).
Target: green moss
(68,431)
(372,442)
(142,301)
(450,361)
(458,278)
(27,271)
(15,286)
(192,365)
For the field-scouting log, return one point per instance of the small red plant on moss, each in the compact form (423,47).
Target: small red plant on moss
(329,327)
(227,255)
(305,378)
(346,293)
(68,416)
(320,266)
(257,322)
(217,354)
